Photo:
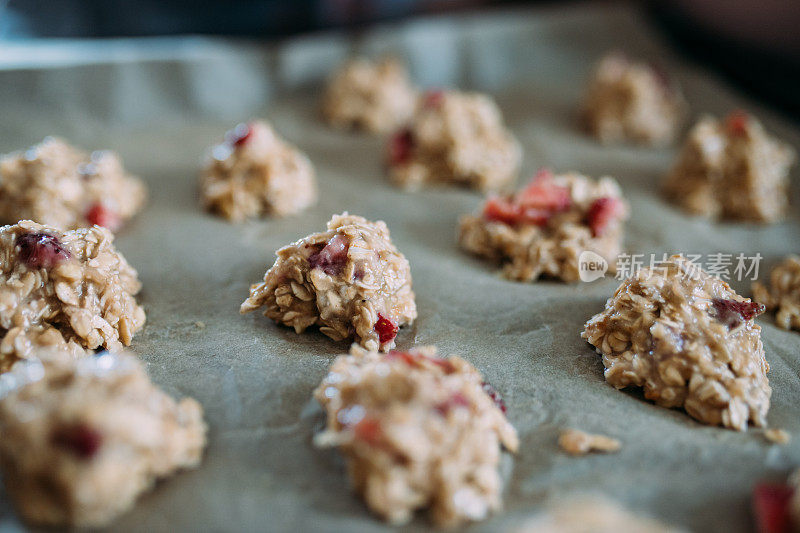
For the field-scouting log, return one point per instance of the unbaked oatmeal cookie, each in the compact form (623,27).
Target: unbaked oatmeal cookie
(376,96)
(454,138)
(732,170)
(689,341)
(70,290)
(83,438)
(629,101)
(542,229)
(55,184)
(350,281)
(254,173)
(418,431)
(783,293)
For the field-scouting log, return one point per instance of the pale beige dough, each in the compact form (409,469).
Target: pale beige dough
(376,96)
(551,247)
(783,293)
(455,138)
(83,438)
(689,341)
(350,280)
(591,514)
(55,184)
(70,290)
(628,101)
(254,173)
(731,170)
(418,431)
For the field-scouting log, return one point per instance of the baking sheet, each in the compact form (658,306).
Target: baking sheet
(161,102)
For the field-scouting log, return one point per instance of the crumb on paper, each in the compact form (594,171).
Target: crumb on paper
(577,442)
(778,436)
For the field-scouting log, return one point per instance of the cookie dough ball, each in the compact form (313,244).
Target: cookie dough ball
(632,102)
(732,170)
(689,341)
(454,138)
(254,173)
(417,431)
(350,281)
(376,96)
(70,290)
(83,438)
(55,184)
(783,293)
(543,229)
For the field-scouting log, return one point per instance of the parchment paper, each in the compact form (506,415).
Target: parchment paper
(161,102)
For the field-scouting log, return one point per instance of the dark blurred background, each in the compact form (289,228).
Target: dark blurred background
(754,43)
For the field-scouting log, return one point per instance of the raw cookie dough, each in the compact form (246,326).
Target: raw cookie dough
(542,229)
(689,340)
(417,431)
(629,101)
(55,184)
(457,138)
(731,170)
(783,293)
(350,281)
(376,96)
(591,514)
(255,173)
(83,438)
(69,290)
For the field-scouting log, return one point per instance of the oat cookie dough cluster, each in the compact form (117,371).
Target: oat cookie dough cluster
(542,229)
(55,184)
(350,280)
(454,138)
(633,102)
(83,438)
(732,170)
(783,293)
(254,173)
(68,290)
(418,431)
(376,96)
(689,341)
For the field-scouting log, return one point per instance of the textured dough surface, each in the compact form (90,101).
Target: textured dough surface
(83,438)
(58,185)
(689,341)
(350,280)
(417,431)
(73,291)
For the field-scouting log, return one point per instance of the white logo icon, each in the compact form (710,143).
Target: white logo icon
(591,266)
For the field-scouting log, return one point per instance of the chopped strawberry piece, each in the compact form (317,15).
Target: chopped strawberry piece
(239,135)
(542,193)
(771,507)
(433,98)
(332,258)
(736,123)
(495,396)
(507,211)
(400,146)
(80,439)
(603,212)
(386,329)
(100,215)
(368,430)
(416,359)
(731,312)
(41,250)
(456,400)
